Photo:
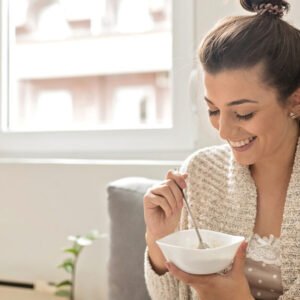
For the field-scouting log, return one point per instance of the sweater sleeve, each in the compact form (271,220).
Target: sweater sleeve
(166,286)
(293,293)
(160,287)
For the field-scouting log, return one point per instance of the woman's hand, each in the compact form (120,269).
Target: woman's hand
(230,286)
(163,204)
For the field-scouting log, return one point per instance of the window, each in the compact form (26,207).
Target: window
(89,77)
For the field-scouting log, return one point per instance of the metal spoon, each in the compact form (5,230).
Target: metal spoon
(201,244)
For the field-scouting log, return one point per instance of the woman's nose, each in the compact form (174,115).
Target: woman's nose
(226,128)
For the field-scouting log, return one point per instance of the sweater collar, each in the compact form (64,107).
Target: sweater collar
(292,207)
(290,228)
(243,195)
(294,184)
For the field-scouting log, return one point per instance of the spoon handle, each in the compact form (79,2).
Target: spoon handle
(202,245)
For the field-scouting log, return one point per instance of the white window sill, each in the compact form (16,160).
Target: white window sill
(100,162)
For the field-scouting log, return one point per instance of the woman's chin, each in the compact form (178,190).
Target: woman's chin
(242,160)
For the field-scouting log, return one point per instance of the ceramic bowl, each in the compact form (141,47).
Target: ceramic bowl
(180,248)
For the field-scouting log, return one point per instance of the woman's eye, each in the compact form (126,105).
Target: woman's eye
(213,112)
(245,117)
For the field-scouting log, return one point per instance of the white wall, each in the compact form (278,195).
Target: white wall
(42,202)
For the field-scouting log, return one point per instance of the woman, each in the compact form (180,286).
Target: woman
(251,185)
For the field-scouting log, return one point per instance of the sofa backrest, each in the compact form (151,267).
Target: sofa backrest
(127,238)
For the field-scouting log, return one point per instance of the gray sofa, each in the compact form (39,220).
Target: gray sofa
(127,238)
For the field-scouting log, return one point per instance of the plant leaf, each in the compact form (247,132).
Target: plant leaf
(68,265)
(68,268)
(63,293)
(77,246)
(64,283)
(68,261)
(75,250)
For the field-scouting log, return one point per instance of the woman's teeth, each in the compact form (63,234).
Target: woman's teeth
(242,143)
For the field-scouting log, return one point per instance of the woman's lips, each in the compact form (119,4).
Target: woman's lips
(244,147)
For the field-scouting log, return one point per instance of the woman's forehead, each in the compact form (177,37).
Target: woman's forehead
(232,85)
(228,88)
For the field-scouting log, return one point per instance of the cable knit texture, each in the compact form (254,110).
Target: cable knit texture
(223,196)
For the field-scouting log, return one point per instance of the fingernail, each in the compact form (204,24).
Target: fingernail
(244,246)
(167,265)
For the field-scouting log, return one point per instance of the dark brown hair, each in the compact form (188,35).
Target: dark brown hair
(244,41)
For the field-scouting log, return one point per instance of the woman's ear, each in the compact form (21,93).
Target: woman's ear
(295,102)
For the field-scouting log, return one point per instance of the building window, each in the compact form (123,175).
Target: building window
(95,76)
(90,64)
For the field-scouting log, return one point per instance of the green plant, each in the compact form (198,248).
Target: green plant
(66,288)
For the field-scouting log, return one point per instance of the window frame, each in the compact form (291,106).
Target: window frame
(180,139)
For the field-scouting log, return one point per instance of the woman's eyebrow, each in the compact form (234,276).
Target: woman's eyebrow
(236,102)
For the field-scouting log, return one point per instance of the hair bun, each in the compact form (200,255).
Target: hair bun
(275,7)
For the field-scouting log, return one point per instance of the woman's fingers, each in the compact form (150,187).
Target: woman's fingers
(178,178)
(240,258)
(170,192)
(168,195)
(177,192)
(161,202)
(179,274)
(189,279)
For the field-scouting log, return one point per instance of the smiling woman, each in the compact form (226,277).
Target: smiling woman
(250,186)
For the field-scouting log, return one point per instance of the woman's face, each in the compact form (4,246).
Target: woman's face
(247,115)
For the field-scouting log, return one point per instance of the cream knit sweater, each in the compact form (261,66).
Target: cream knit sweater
(223,196)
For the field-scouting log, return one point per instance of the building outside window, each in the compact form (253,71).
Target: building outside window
(90,64)
(81,66)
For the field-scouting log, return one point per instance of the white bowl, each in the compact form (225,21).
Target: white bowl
(180,248)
